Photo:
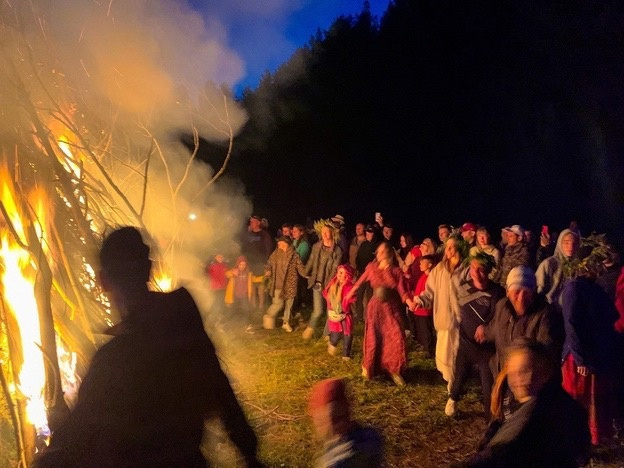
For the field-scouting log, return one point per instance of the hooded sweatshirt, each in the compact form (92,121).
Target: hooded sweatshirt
(549,274)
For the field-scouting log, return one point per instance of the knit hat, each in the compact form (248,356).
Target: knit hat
(521,277)
(328,391)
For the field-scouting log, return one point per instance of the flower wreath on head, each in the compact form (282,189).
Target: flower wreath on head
(321,223)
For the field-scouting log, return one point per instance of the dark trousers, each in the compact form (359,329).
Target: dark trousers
(470,354)
(334,338)
(363,295)
(424,333)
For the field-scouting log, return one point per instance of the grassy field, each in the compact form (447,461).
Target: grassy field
(273,372)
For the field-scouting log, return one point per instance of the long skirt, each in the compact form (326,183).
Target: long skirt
(593,391)
(384,340)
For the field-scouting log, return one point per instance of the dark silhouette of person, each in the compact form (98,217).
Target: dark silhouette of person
(149,390)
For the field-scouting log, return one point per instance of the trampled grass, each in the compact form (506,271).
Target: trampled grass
(273,372)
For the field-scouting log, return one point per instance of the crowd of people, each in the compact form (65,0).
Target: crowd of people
(543,325)
(465,301)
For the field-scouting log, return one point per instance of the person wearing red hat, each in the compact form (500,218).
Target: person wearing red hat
(469,233)
(345,442)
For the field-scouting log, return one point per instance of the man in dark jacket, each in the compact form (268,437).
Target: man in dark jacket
(523,314)
(150,389)
(477,300)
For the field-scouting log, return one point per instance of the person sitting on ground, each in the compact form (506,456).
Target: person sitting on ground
(339,316)
(282,269)
(345,442)
(149,390)
(536,423)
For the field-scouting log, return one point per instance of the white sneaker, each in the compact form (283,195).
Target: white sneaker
(287,328)
(451,407)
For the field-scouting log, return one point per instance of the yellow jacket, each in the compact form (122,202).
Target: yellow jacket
(229,289)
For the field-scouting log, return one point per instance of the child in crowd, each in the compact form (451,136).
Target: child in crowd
(239,289)
(339,315)
(217,282)
(423,318)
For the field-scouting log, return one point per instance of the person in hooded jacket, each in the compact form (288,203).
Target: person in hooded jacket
(549,274)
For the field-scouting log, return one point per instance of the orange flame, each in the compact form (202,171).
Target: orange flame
(18,279)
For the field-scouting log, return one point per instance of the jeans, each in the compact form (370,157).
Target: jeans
(334,338)
(278,303)
(318,304)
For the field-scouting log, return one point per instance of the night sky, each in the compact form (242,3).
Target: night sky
(266,33)
(441,112)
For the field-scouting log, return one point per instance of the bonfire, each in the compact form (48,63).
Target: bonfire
(88,142)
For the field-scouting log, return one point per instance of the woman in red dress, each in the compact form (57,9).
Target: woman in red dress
(384,341)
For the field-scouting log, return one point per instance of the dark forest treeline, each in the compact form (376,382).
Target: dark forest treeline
(442,111)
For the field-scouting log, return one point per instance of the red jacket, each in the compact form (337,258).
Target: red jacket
(420,287)
(216,274)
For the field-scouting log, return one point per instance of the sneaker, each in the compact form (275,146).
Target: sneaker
(398,380)
(331,349)
(287,328)
(346,358)
(451,407)
(250,329)
(308,333)
(364,373)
